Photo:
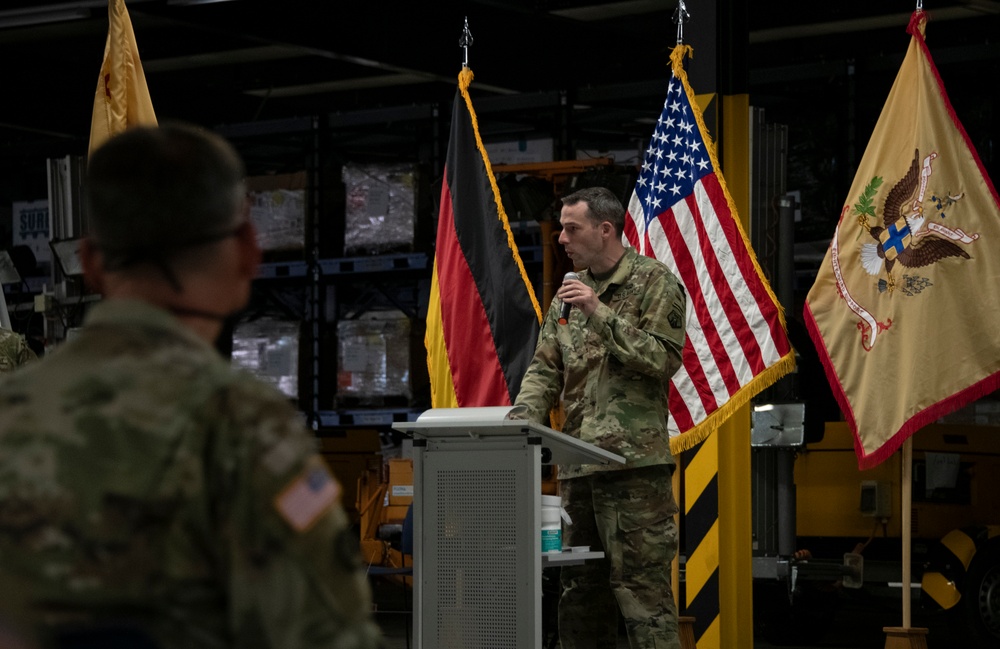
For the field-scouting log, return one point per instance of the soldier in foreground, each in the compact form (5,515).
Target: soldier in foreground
(610,363)
(150,495)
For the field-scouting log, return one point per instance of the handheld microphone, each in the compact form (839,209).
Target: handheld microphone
(566,306)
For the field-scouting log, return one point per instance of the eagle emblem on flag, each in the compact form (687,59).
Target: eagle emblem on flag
(906,236)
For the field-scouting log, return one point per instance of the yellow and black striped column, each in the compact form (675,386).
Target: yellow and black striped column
(717,526)
(701,540)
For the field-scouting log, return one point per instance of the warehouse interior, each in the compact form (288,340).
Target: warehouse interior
(311,91)
(313,86)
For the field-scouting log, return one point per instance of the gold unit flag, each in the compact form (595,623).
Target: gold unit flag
(122,98)
(899,310)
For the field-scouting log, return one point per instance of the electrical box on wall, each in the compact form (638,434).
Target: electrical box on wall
(876,499)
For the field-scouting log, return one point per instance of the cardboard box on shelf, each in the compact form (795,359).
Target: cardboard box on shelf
(380,361)
(380,207)
(278,210)
(269,348)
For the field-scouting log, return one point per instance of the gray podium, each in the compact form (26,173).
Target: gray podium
(477,562)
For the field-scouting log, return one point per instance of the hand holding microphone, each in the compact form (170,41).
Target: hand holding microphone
(566,306)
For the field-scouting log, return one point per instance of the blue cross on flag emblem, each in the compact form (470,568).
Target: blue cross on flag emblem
(895,238)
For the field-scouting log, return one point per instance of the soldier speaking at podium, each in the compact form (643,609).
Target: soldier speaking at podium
(610,363)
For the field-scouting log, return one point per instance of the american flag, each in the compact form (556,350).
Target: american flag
(682,214)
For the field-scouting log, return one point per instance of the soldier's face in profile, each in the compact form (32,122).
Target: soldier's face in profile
(581,236)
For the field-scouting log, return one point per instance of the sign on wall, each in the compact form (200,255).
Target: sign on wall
(30,227)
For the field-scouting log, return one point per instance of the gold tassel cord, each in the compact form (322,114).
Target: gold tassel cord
(464,79)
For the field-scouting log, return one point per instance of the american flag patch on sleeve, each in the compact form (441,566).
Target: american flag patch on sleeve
(307,497)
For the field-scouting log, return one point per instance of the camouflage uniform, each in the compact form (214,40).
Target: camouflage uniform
(611,371)
(14,350)
(147,487)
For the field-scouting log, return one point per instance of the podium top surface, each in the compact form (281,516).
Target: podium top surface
(474,423)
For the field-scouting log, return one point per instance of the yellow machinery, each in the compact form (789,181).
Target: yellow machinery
(382,504)
(846,530)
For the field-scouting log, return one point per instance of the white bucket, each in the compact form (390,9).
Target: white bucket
(551,524)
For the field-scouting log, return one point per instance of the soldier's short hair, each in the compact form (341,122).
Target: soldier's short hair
(152,192)
(602,205)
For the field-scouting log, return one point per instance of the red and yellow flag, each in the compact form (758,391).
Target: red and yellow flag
(483,317)
(897,311)
(122,98)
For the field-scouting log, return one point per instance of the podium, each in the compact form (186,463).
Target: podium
(477,552)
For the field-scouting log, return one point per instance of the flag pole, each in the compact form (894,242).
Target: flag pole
(905,636)
(680,17)
(907,506)
(685,622)
(907,502)
(464,42)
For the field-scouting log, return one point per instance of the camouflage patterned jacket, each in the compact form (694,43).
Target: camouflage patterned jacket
(14,350)
(145,483)
(612,369)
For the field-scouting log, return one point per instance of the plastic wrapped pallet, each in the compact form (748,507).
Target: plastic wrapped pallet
(269,348)
(375,360)
(278,210)
(380,209)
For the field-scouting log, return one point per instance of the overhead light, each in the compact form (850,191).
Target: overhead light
(27,17)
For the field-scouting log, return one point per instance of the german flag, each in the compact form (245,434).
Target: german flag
(483,317)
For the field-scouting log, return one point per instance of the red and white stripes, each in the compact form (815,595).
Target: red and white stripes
(734,329)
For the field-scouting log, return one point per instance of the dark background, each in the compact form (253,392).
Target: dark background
(381,76)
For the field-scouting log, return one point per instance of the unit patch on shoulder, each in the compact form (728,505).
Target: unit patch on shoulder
(307,497)
(676,318)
